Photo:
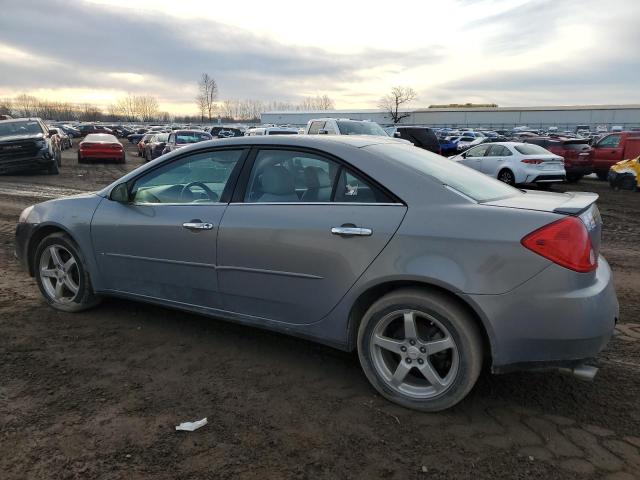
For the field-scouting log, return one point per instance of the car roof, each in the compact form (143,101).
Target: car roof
(31,119)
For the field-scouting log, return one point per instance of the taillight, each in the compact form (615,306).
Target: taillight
(532,161)
(565,242)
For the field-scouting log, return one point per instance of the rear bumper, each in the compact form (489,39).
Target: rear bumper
(546,178)
(578,169)
(559,317)
(101,155)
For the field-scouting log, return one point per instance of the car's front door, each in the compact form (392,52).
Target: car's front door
(162,244)
(299,234)
(474,156)
(608,151)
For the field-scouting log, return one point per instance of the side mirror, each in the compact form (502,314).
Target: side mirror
(396,135)
(322,131)
(120,193)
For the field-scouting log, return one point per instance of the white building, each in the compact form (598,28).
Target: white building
(563,117)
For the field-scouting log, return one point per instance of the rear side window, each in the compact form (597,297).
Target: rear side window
(469,182)
(289,176)
(315,127)
(353,189)
(499,151)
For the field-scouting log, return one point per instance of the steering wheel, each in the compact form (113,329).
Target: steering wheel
(213,196)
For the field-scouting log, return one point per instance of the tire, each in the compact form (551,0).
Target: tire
(456,365)
(54,168)
(505,175)
(602,175)
(73,276)
(80,158)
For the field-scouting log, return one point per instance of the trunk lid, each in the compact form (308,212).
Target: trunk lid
(579,204)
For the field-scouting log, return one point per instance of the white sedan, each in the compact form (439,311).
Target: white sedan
(515,163)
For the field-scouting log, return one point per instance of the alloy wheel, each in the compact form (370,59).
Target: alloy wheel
(507,177)
(415,354)
(59,274)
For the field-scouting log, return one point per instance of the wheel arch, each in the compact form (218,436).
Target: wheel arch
(373,293)
(43,230)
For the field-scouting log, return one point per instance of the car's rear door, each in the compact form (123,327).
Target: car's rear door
(163,243)
(301,229)
(494,159)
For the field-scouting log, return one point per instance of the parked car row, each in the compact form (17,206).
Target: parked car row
(28,144)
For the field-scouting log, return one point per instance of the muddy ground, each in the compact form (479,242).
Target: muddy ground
(97,394)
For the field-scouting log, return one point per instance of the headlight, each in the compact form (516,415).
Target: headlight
(25,214)
(41,143)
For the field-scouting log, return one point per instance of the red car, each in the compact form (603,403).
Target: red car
(142,144)
(613,148)
(100,146)
(577,154)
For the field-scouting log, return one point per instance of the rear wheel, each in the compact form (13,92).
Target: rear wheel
(420,349)
(61,275)
(507,177)
(54,168)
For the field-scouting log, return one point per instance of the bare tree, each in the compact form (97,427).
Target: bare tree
(398,97)
(319,102)
(207,95)
(146,107)
(126,107)
(6,106)
(25,105)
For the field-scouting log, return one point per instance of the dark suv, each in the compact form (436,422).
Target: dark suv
(577,154)
(422,137)
(27,144)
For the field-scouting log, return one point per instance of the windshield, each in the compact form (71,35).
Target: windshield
(531,149)
(350,127)
(19,128)
(465,180)
(192,137)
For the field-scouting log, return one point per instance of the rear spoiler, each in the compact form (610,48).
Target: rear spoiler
(578,202)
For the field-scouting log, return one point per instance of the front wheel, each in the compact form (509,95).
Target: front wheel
(61,275)
(420,349)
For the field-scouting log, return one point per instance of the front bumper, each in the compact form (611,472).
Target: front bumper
(37,161)
(23,235)
(558,317)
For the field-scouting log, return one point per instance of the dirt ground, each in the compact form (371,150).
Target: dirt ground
(97,394)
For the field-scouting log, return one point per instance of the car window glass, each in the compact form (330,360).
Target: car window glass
(291,176)
(612,141)
(477,151)
(330,129)
(315,127)
(498,151)
(353,189)
(199,178)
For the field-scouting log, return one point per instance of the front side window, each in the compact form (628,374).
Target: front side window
(477,151)
(198,178)
(612,141)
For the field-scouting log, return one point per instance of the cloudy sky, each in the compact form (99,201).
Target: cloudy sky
(509,52)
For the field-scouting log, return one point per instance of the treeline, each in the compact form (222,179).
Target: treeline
(145,108)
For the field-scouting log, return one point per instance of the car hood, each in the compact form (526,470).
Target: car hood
(26,136)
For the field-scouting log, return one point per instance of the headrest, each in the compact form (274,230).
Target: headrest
(316,177)
(277,181)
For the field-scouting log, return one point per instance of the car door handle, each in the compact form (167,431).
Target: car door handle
(197,225)
(351,231)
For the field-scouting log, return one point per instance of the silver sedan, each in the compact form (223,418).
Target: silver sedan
(428,269)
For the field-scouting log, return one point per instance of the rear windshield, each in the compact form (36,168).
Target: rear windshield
(192,137)
(360,128)
(19,128)
(465,180)
(531,149)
